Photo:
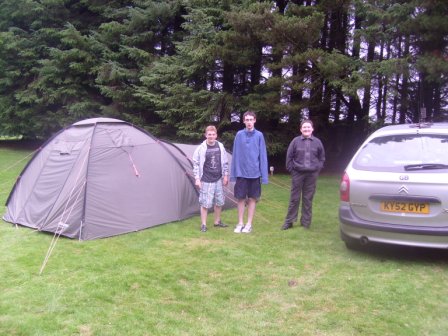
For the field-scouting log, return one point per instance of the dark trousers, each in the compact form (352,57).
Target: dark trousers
(303,185)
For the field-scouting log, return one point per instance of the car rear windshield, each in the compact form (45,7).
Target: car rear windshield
(416,152)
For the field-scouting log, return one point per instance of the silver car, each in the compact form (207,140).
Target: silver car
(395,188)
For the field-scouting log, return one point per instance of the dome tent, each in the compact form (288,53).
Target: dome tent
(103,177)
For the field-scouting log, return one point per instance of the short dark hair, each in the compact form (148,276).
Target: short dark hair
(249,113)
(306,121)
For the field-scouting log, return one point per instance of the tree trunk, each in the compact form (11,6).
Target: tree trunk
(404,91)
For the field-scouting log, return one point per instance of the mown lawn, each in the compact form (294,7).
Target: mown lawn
(175,280)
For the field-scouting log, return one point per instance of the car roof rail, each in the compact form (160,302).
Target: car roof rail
(421,125)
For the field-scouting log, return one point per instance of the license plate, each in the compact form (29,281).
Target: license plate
(407,207)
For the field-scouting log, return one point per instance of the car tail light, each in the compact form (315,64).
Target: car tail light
(344,188)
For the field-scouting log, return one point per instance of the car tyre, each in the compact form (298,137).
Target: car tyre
(352,245)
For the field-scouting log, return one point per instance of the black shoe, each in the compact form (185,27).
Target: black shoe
(286,226)
(305,226)
(220,224)
(203,228)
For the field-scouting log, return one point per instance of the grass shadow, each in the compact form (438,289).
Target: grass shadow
(385,252)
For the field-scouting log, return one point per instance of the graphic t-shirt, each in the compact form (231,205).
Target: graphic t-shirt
(212,166)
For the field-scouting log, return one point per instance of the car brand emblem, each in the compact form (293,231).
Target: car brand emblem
(404,177)
(403,190)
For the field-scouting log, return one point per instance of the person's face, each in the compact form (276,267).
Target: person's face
(249,121)
(307,130)
(211,137)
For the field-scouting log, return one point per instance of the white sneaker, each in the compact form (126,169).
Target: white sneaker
(238,228)
(247,229)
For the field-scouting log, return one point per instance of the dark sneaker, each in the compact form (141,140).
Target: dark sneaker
(286,226)
(220,224)
(203,228)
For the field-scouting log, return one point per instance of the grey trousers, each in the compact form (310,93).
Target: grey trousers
(303,185)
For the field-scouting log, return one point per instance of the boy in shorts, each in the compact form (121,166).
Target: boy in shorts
(249,170)
(211,170)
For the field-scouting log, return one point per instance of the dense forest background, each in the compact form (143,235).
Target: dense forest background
(174,66)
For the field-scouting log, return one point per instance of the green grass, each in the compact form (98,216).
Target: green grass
(175,280)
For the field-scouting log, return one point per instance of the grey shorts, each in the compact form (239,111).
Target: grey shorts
(211,194)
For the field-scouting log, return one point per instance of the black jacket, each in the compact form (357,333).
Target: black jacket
(296,155)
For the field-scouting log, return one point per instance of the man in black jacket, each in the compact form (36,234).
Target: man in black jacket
(304,160)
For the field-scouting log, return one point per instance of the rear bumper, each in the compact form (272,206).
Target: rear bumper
(355,228)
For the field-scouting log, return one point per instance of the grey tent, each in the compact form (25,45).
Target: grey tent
(103,177)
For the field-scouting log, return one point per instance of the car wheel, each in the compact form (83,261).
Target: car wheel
(352,245)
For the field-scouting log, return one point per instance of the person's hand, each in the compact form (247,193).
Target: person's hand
(225,180)
(198,183)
